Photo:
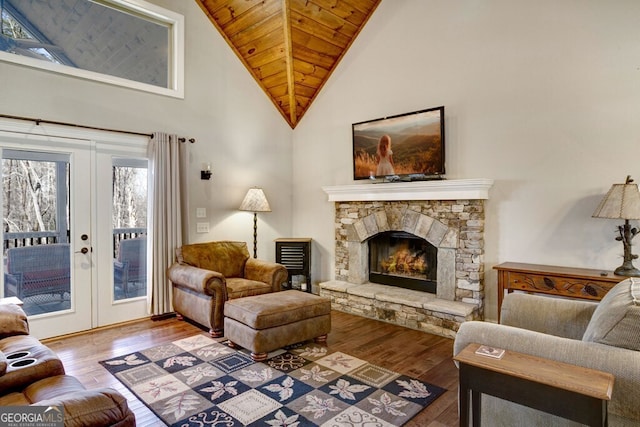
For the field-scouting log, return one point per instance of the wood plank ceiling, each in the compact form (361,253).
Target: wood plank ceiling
(291,47)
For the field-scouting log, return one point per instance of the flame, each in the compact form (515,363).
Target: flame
(404,261)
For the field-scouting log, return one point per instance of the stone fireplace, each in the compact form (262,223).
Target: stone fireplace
(448,215)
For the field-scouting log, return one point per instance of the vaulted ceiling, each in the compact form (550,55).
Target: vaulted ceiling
(291,47)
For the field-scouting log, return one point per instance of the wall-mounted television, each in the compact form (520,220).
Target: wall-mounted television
(405,147)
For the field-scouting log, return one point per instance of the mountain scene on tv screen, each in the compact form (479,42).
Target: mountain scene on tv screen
(416,149)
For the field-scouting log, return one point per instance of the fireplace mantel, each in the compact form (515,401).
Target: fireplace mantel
(450,189)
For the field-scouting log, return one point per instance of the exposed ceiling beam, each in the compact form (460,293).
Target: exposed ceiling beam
(288,54)
(290,47)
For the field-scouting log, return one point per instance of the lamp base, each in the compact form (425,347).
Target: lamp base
(626,235)
(627,269)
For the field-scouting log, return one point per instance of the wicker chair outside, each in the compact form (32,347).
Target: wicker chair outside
(38,270)
(131,264)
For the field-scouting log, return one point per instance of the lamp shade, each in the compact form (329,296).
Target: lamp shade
(255,201)
(621,202)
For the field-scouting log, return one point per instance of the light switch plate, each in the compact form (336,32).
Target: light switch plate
(202,227)
(201,212)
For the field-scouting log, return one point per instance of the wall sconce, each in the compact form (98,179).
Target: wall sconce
(205,173)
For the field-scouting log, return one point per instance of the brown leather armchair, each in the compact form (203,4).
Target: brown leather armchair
(206,275)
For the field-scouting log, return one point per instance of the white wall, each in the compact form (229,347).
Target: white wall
(543,97)
(237,128)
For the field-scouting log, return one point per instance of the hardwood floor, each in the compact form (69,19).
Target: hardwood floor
(424,356)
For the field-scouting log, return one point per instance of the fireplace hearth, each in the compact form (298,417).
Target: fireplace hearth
(402,259)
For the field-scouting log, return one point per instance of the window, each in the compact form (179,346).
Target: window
(34,200)
(132,44)
(130,197)
(36,230)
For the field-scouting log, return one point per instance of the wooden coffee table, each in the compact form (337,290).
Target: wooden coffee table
(569,391)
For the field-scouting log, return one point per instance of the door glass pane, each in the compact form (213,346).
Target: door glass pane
(36,252)
(129,228)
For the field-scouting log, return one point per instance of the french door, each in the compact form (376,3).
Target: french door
(62,237)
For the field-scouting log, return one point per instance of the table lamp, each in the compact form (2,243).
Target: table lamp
(623,202)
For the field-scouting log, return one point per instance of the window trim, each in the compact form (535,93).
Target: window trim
(173,20)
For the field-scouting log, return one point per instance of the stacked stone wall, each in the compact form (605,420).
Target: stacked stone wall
(464,217)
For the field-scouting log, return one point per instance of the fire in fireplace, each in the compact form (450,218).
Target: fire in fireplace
(403,259)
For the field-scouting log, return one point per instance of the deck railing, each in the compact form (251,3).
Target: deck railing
(33,238)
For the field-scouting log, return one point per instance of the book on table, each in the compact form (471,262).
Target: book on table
(486,350)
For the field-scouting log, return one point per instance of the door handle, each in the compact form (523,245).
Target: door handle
(83,250)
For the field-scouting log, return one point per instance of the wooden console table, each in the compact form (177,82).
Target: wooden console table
(572,392)
(553,280)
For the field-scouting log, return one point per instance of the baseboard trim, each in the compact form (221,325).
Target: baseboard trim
(164,316)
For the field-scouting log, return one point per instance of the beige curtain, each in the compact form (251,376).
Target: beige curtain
(165,222)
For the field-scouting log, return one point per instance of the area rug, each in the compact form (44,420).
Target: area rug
(200,381)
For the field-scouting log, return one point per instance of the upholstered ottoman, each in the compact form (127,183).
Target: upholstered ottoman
(264,323)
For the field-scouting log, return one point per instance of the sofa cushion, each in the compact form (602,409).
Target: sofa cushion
(616,320)
(14,399)
(225,257)
(96,407)
(13,321)
(240,288)
(52,388)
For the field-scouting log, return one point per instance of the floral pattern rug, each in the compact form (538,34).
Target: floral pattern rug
(200,381)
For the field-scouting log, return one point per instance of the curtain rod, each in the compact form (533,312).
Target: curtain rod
(52,122)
